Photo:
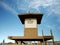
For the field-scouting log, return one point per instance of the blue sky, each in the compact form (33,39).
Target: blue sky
(10,24)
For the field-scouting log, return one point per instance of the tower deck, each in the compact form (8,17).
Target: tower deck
(22,38)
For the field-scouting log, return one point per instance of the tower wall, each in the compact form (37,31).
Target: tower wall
(31,32)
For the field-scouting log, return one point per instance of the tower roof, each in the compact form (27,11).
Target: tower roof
(22,17)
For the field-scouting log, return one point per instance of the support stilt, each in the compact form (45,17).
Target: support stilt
(30,43)
(19,43)
(40,43)
(34,42)
(43,37)
(52,37)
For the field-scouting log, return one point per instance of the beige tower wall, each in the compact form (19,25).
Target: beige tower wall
(31,32)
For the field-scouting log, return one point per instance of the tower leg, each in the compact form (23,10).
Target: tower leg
(34,42)
(37,42)
(30,43)
(40,43)
(45,42)
(53,41)
(19,43)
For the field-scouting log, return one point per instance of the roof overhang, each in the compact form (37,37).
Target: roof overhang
(22,17)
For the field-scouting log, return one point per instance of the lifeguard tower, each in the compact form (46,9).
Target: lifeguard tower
(31,21)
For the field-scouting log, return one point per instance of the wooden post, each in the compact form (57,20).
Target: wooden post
(16,42)
(51,32)
(40,43)
(52,37)
(3,42)
(34,42)
(42,33)
(30,43)
(45,42)
(26,42)
(43,37)
(19,43)
(37,42)
(53,41)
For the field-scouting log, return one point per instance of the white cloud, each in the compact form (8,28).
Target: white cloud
(22,5)
(55,7)
(8,7)
(38,3)
(50,26)
(58,27)
(56,10)
(34,4)
(58,19)
(52,6)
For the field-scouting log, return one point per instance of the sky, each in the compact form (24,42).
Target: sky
(10,25)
